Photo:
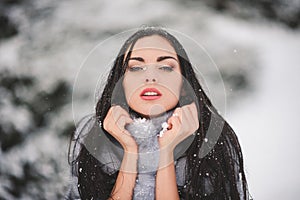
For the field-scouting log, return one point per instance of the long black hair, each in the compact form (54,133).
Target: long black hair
(214,162)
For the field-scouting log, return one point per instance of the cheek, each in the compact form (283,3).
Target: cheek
(174,85)
(130,86)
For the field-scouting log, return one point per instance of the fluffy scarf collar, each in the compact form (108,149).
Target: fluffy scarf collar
(146,133)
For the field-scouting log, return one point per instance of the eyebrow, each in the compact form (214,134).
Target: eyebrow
(159,59)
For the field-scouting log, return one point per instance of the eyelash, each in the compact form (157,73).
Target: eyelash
(139,68)
(167,68)
(135,68)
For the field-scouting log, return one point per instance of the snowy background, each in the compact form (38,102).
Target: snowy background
(43,43)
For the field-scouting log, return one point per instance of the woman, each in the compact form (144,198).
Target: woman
(152,78)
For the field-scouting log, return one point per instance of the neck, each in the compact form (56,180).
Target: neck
(135,114)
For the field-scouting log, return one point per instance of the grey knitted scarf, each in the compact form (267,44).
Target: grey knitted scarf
(146,133)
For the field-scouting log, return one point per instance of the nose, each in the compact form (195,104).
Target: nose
(148,80)
(151,75)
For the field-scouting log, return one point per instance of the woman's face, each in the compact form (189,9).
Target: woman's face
(152,81)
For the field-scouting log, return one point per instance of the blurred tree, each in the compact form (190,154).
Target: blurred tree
(284,11)
(19,93)
(8,29)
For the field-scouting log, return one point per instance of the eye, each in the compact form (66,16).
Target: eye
(136,68)
(166,68)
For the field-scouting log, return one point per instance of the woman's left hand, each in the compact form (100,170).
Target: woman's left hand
(182,124)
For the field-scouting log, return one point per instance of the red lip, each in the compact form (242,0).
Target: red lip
(150,94)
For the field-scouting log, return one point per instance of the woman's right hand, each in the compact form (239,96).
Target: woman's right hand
(114,123)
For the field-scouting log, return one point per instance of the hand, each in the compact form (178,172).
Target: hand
(182,124)
(114,123)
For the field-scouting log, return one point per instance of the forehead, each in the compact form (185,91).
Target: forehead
(154,42)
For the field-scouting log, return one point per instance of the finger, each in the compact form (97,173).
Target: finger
(116,112)
(178,113)
(169,123)
(120,113)
(109,112)
(122,121)
(123,111)
(125,114)
(186,123)
(175,122)
(128,120)
(126,132)
(194,111)
(193,115)
(107,124)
